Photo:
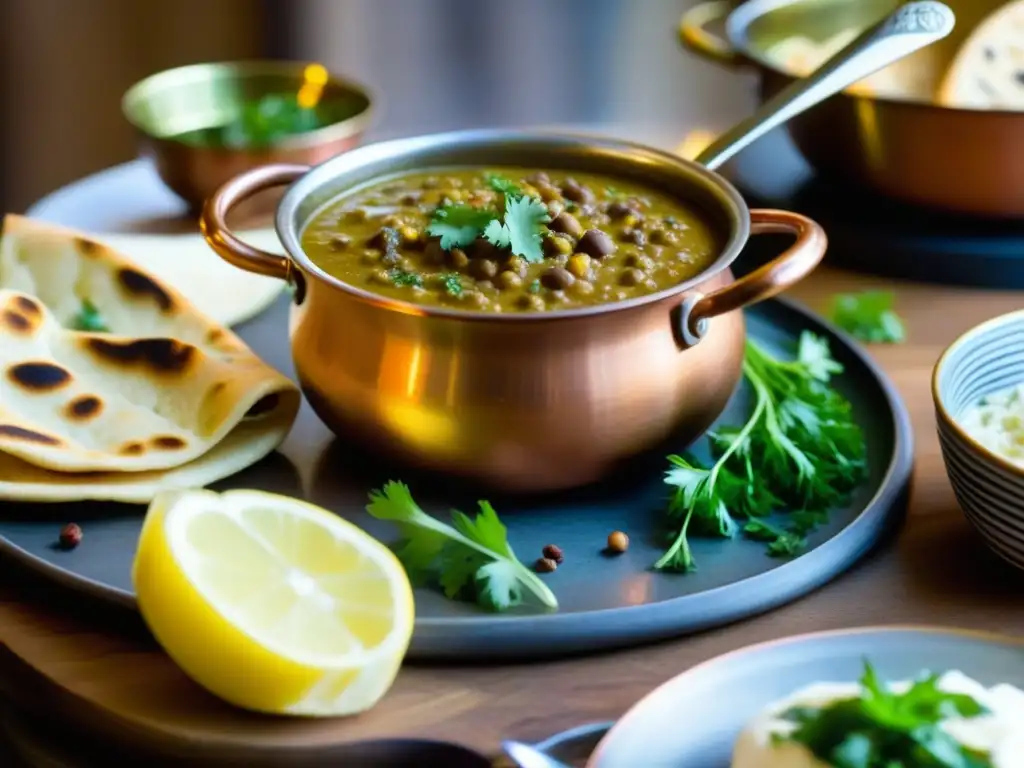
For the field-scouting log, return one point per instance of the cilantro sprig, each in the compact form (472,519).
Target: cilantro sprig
(883,729)
(470,559)
(518,226)
(869,316)
(799,448)
(89,319)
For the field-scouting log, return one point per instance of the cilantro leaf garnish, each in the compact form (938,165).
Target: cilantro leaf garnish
(451,282)
(505,186)
(808,452)
(89,319)
(883,729)
(470,559)
(869,316)
(401,277)
(525,218)
(458,225)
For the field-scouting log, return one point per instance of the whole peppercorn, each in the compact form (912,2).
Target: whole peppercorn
(545,565)
(618,542)
(553,552)
(70,536)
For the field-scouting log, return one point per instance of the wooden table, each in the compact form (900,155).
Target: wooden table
(935,572)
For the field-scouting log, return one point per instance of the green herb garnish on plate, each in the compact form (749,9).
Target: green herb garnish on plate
(884,729)
(869,316)
(799,449)
(470,559)
(89,319)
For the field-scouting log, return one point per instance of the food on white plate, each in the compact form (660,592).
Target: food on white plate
(988,69)
(110,372)
(935,721)
(997,422)
(273,604)
(913,78)
(224,293)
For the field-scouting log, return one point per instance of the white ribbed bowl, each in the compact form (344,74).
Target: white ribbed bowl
(988,487)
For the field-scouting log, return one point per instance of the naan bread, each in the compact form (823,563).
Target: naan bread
(226,294)
(163,387)
(988,70)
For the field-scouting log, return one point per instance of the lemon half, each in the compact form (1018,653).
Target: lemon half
(273,604)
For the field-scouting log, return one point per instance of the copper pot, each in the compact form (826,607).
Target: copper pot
(524,402)
(960,160)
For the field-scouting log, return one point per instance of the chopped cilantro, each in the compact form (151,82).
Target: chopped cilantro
(882,729)
(534,286)
(458,225)
(89,319)
(869,316)
(401,277)
(451,282)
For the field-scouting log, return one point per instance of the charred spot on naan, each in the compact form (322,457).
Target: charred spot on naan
(14,432)
(162,356)
(22,315)
(88,248)
(134,448)
(138,284)
(37,377)
(168,443)
(83,408)
(263,406)
(28,305)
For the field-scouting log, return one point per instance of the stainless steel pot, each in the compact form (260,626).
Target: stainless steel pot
(961,160)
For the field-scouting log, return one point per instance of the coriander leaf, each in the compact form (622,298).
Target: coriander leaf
(505,186)
(401,277)
(814,355)
(525,218)
(458,225)
(869,316)
(497,234)
(451,282)
(89,319)
(473,554)
(534,286)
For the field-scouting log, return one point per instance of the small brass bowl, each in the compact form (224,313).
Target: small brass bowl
(166,108)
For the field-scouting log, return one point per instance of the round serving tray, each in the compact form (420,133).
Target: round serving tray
(604,602)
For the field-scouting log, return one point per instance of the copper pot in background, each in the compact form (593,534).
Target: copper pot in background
(959,160)
(523,402)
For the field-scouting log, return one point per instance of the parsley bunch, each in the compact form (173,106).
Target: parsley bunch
(882,729)
(470,559)
(869,316)
(519,226)
(799,448)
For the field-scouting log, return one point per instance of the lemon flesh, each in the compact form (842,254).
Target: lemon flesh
(273,604)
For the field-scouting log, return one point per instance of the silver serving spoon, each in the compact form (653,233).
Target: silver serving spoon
(910,27)
(527,756)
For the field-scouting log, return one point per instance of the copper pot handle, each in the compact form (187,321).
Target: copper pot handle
(694,35)
(213,220)
(782,272)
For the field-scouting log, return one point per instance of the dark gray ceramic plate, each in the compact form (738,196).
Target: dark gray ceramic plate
(716,699)
(604,602)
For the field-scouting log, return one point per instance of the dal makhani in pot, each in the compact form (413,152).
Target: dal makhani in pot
(524,309)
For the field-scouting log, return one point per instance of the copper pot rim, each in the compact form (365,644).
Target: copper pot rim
(731,202)
(743,16)
(353,125)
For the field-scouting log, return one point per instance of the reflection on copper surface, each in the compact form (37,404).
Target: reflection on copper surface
(694,143)
(871,136)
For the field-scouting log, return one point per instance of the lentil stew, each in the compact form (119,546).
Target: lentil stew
(510,239)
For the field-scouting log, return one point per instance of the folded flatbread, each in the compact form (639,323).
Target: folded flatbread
(226,294)
(153,384)
(988,69)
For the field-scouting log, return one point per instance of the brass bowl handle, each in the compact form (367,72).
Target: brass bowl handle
(694,35)
(213,220)
(782,272)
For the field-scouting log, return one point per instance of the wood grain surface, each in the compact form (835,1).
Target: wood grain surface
(99,669)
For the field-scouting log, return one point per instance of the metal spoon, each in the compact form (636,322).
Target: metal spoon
(526,756)
(910,27)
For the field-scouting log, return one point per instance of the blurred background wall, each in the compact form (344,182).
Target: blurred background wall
(436,64)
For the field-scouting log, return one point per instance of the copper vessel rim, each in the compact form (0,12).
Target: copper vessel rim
(352,125)
(729,200)
(743,16)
